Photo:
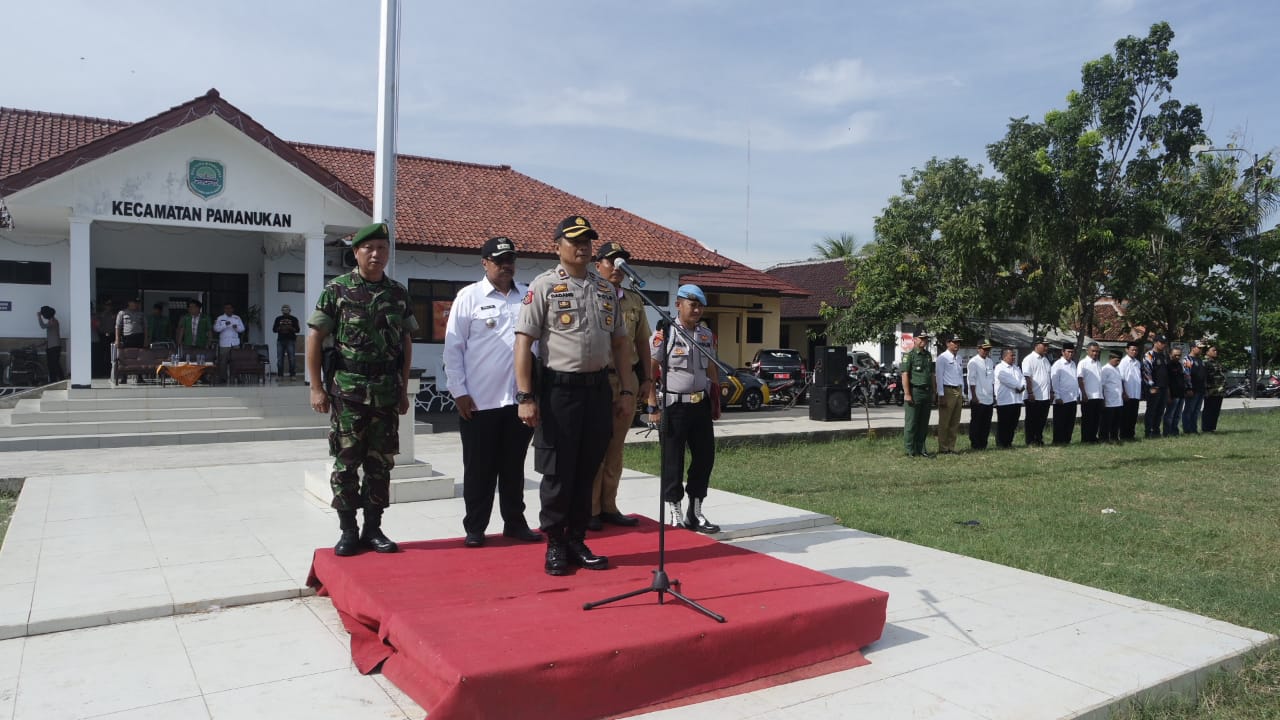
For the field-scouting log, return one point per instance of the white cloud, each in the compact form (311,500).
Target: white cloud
(839,82)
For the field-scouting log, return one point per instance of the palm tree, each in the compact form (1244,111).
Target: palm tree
(832,248)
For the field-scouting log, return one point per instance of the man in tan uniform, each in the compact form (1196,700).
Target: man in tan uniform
(574,316)
(604,492)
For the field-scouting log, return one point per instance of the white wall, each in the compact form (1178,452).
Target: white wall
(20,322)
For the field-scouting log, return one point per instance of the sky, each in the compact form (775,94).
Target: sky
(757,127)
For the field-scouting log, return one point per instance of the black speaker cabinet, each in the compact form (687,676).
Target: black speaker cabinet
(829,403)
(831,366)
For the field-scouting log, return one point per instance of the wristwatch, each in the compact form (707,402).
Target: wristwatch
(525,397)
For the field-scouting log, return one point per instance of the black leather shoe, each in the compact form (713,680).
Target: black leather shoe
(595,524)
(474,540)
(348,544)
(373,537)
(522,533)
(581,555)
(557,559)
(924,454)
(617,518)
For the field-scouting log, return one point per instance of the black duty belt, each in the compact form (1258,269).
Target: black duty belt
(586,379)
(952,387)
(384,367)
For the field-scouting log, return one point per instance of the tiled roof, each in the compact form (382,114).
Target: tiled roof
(44,157)
(28,138)
(821,278)
(440,204)
(1109,323)
(451,205)
(738,278)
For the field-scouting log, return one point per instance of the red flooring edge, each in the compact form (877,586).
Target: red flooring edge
(483,632)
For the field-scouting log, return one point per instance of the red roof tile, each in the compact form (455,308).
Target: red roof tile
(738,278)
(821,278)
(441,205)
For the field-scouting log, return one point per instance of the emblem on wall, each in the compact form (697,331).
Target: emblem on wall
(205,178)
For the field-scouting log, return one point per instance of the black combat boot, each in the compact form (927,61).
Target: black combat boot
(581,555)
(349,543)
(557,552)
(372,535)
(697,521)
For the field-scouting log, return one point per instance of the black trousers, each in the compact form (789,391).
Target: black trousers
(1037,416)
(1007,423)
(494,445)
(687,425)
(1109,425)
(980,425)
(1212,409)
(1154,419)
(53,359)
(575,424)
(1129,419)
(1064,422)
(1091,420)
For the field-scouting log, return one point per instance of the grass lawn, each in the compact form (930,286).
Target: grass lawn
(1195,523)
(7,501)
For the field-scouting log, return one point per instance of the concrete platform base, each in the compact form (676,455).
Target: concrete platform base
(413,482)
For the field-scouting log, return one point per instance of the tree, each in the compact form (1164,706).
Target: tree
(832,248)
(934,257)
(1084,183)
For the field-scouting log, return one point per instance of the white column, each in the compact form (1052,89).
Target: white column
(79,277)
(313,266)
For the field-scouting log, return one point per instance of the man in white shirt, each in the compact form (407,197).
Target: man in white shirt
(1112,398)
(1009,385)
(1090,377)
(228,327)
(1066,395)
(1131,376)
(479,364)
(949,380)
(982,396)
(1037,371)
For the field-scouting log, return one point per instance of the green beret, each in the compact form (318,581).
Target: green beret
(376,231)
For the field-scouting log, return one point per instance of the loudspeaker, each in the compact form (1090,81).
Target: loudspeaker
(831,366)
(829,403)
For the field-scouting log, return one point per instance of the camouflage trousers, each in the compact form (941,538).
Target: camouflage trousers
(365,437)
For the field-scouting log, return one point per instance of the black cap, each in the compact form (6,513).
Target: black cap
(496,247)
(611,250)
(923,334)
(1039,341)
(1069,346)
(574,227)
(986,345)
(1162,339)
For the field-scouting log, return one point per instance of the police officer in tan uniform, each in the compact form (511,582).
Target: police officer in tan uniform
(574,316)
(604,492)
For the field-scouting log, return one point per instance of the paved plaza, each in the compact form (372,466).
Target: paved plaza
(169,582)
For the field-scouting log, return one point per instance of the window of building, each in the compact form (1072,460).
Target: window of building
(291,282)
(23,272)
(755,329)
(431,302)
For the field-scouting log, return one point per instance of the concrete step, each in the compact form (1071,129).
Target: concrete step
(120,440)
(181,425)
(71,416)
(173,401)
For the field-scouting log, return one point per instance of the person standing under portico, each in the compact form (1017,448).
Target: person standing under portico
(286,328)
(228,326)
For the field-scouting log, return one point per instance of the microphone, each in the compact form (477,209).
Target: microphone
(625,269)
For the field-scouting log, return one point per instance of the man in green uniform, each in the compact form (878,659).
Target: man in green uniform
(917,389)
(371,320)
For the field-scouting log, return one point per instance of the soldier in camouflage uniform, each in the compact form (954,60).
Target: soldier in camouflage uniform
(918,389)
(370,318)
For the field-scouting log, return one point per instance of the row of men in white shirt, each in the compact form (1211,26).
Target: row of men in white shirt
(1037,379)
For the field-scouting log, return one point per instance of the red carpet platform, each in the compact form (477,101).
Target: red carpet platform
(484,633)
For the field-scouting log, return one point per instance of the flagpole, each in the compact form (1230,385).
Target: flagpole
(384,158)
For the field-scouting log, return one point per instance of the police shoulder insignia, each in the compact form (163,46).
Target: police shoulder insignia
(602,287)
(561,272)
(528,298)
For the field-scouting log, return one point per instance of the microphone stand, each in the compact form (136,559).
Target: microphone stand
(661,584)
